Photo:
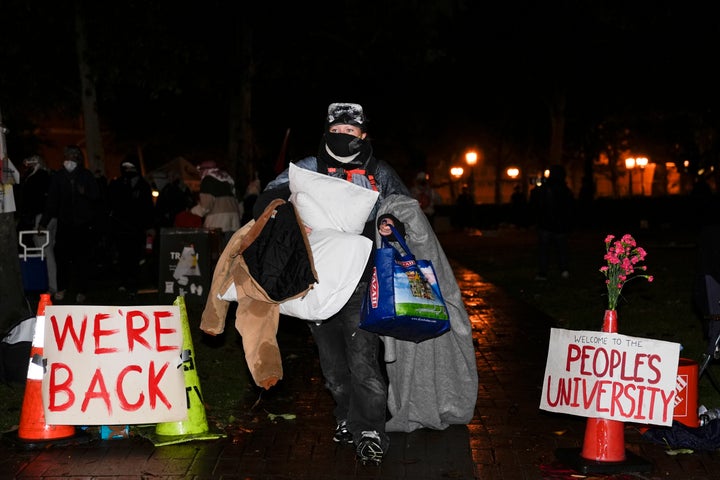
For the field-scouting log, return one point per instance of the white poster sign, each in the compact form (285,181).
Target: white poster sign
(611,376)
(109,365)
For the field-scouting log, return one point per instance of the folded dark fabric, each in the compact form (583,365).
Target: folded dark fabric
(679,435)
(279,258)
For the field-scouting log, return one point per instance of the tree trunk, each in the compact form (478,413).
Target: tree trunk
(557,129)
(88,97)
(13,305)
(500,161)
(241,146)
(247,137)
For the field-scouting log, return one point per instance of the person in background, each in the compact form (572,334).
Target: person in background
(423,192)
(518,207)
(251,194)
(72,199)
(553,206)
(103,251)
(175,197)
(349,356)
(217,204)
(705,205)
(131,221)
(463,213)
(33,201)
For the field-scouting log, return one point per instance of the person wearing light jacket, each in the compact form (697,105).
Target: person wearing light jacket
(217,205)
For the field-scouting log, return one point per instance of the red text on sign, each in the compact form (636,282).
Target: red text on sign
(138,328)
(62,392)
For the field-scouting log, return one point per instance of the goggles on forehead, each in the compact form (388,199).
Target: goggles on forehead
(346,113)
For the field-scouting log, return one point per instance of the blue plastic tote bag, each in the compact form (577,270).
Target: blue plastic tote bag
(403,299)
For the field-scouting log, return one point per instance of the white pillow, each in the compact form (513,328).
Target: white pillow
(336,211)
(328,202)
(340,260)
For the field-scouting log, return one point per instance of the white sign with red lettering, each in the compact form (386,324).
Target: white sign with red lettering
(109,365)
(611,376)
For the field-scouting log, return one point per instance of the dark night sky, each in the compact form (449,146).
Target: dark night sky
(498,64)
(425,71)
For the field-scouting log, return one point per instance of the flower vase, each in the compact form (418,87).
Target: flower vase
(610,322)
(605,439)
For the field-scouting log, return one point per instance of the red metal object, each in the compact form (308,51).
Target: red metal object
(686,397)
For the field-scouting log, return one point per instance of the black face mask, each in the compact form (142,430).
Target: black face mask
(344,145)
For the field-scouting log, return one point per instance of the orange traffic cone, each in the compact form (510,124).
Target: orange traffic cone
(605,439)
(603,448)
(32,418)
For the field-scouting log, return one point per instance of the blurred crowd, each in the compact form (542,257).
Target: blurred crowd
(88,225)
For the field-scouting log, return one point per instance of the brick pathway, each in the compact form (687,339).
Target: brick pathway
(509,437)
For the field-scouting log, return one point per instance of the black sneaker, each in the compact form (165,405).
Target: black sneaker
(369,450)
(342,434)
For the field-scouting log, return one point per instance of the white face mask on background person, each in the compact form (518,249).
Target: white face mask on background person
(69,165)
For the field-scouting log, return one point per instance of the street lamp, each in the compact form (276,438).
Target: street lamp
(471,158)
(513,172)
(456,174)
(630,165)
(642,163)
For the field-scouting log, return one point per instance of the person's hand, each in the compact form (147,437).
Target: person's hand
(385,222)
(384,227)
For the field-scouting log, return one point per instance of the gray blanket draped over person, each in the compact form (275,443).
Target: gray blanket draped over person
(432,384)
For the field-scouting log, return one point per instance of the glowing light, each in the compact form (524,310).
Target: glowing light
(471,158)
(456,172)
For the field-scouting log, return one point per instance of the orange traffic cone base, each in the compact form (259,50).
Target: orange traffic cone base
(603,451)
(572,458)
(79,437)
(32,419)
(604,440)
